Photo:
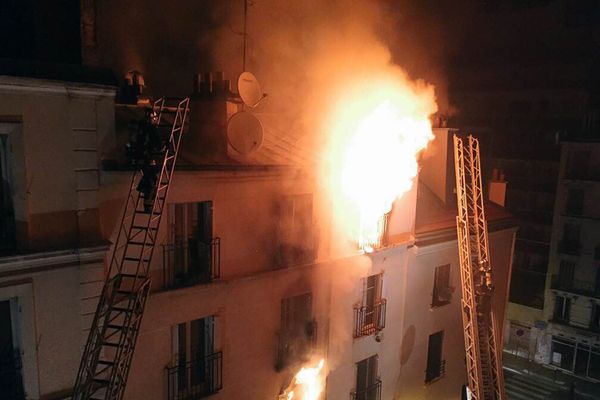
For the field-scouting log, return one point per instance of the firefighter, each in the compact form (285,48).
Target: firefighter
(145,153)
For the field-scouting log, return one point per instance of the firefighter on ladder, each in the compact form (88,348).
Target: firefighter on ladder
(144,151)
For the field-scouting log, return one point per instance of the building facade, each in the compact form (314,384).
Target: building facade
(571,340)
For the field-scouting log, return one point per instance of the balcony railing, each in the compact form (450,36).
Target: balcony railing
(195,379)
(369,319)
(572,248)
(434,372)
(372,392)
(191,263)
(11,379)
(292,348)
(576,286)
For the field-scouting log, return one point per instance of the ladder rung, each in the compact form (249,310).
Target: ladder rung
(134,242)
(113,326)
(147,212)
(121,309)
(144,227)
(101,382)
(110,344)
(102,362)
(136,259)
(141,277)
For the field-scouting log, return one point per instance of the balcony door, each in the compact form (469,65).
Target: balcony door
(7,218)
(372,298)
(367,379)
(11,381)
(434,356)
(194,343)
(191,240)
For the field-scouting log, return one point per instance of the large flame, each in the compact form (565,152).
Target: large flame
(307,384)
(378,129)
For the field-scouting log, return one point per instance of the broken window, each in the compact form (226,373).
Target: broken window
(296,230)
(298,330)
(442,292)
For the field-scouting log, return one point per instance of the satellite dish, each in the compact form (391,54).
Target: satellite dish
(244,132)
(249,89)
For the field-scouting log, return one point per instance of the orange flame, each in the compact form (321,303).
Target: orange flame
(307,384)
(378,129)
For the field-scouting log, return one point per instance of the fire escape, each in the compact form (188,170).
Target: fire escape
(484,365)
(111,342)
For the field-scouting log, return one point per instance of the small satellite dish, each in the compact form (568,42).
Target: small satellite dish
(249,89)
(244,132)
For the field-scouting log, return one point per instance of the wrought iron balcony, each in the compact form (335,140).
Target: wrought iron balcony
(372,392)
(195,379)
(436,371)
(11,379)
(369,319)
(191,263)
(576,286)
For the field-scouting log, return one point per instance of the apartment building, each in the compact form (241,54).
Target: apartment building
(570,341)
(52,251)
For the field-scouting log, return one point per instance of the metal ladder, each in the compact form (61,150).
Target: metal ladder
(484,366)
(111,342)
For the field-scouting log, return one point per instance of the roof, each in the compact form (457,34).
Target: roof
(57,72)
(436,221)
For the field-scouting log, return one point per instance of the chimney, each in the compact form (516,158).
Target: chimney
(497,187)
(206,140)
(437,165)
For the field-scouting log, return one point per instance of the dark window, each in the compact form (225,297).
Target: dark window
(7,217)
(368,384)
(595,317)
(435,362)
(192,255)
(562,309)
(570,243)
(578,165)
(566,273)
(296,230)
(11,381)
(197,368)
(369,317)
(575,202)
(563,353)
(442,292)
(298,330)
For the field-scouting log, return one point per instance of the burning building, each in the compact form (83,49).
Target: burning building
(269,260)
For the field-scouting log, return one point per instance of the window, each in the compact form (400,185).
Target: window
(578,165)
(369,317)
(595,317)
(577,357)
(296,231)
(566,272)
(570,240)
(368,384)
(11,379)
(442,292)
(298,330)
(196,370)
(192,255)
(7,217)
(435,363)
(575,202)
(562,309)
